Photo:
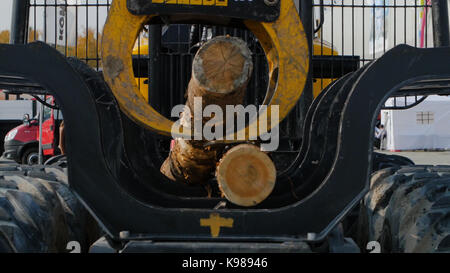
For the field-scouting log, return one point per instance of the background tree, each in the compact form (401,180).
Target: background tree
(88,48)
(32,36)
(4,37)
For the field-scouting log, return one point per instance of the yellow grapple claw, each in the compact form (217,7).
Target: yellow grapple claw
(284,42)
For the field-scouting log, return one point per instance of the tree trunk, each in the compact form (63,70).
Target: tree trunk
(220,72)
(246,175)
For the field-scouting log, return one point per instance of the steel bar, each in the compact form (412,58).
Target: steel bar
(440,23)
(19,22)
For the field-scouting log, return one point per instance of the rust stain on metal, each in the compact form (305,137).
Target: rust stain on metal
(114,66)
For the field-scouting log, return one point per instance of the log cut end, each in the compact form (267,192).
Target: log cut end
(223,64)
(246,175)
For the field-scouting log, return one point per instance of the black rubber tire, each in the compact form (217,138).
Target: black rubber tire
(57,161)
(27,153)
(39,213)
(379,161)
(407,210)
(382,161)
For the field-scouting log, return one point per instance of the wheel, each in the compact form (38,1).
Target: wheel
(379,161)
(382,161)
(39,213)
(407,210)
(57,161)
(30,156)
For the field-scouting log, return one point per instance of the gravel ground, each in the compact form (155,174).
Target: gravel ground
(425,157)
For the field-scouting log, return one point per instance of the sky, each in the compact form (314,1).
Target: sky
(92,11)
(5,14)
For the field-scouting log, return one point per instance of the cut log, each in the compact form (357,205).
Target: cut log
(246,175)
(220,72)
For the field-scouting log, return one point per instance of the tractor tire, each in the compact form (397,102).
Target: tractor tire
(30,156)
(57,161)
(39,213)
(382,161)
(407,210)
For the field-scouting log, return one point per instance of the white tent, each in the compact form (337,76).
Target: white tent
(379,26)
(425,126)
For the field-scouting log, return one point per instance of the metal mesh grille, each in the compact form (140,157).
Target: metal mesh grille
(369,28)
(365,28)
(74,27)
(353,28)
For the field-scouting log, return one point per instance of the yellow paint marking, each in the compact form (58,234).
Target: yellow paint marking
(215,222)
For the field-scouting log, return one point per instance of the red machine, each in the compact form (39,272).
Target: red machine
(22,142)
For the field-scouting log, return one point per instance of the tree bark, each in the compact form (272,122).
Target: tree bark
(220,72)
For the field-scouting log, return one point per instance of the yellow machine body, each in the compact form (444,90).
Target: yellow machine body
(322,48)
(142,82)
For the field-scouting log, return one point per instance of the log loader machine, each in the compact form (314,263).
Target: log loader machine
(112,197)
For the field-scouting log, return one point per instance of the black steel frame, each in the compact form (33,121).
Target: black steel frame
(19,22)
(327,183)
(98,173)
(441,28)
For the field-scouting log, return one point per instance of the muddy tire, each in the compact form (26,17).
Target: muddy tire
(57,161)
(382,161)
(39,213)
(407,210)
